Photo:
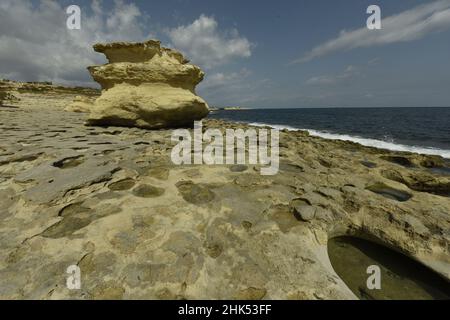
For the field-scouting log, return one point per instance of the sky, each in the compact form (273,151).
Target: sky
(258,54)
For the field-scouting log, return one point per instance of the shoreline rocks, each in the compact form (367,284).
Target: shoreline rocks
(140,227)
(7,98)
(145,85)
(41,95)
(80,104)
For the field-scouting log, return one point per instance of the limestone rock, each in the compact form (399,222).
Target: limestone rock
(7,98)
(303,210)
(146,85)
(40,95)
(420,181)
(140,227)
(2,97)
(80,104)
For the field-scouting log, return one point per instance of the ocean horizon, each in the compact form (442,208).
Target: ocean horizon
(424,130)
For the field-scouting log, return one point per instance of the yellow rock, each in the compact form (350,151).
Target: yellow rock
(146,85)
(80,104)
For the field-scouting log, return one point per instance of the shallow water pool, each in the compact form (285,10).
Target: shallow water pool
(401,277)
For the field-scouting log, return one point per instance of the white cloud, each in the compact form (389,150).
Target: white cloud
(220,79)
(205,45)
(349,73)
(373,61)
(409,25)
(238,88)
(36,45)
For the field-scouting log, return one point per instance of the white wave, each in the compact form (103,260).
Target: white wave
(380,144)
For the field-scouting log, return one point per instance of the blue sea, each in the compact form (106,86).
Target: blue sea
(422,130)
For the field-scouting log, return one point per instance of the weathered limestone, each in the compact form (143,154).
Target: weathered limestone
(41,95)
(7,98)
(80,104)
(2,97)
(147,86)
(139,227)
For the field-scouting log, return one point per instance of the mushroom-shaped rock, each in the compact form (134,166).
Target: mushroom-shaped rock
(146,85)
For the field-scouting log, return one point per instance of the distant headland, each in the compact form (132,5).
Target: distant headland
(231,108)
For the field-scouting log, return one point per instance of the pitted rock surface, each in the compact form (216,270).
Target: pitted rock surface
(139,227)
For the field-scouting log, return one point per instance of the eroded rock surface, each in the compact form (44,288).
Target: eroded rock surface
(110,201)
(80,104)
(41,95)
(147,86)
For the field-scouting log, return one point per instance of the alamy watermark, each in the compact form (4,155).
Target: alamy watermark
(231,149)
(374,20)
(73,281)
(374,280)
(73,21)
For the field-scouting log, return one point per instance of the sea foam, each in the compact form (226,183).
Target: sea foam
(363,141)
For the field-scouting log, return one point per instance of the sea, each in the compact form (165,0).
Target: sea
(422,130)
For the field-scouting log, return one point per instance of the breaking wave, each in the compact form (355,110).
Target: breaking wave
(363,141)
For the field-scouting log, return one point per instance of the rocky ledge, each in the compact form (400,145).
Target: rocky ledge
(41,95)
(110,201)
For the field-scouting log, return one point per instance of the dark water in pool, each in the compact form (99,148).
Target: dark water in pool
(423,130)
(401,277)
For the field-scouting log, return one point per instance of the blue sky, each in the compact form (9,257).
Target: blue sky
(255,53)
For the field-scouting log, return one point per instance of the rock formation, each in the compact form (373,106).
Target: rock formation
(111,201)
(80,104)
(2,98)
(41,95)
(146,85)
(7,98)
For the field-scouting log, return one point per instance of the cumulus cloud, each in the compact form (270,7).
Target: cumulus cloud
(35,44)
(409,25)
(221,79)
(206,45)
(237,88)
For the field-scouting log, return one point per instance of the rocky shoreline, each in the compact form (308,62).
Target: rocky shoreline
(109,200)
(41,95)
